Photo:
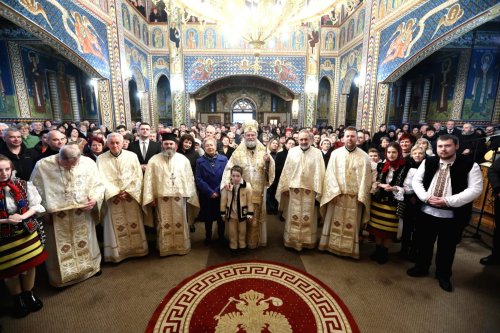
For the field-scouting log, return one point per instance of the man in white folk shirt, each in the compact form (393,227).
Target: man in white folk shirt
(169,187)
(121,174)
(447,184)
(301,183)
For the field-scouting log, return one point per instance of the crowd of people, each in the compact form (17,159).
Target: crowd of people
(410,185)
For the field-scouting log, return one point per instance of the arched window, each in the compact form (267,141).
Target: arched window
(243,109)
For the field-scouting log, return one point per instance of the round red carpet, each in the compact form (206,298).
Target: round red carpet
(252,297)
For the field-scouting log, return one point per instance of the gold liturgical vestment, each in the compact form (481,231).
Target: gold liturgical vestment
(169,182)
(346,199)
(255,173)
(302,176)
(124,235)
(71,237)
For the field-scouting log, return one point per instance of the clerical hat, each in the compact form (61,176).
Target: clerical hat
(250,126)
(169,136)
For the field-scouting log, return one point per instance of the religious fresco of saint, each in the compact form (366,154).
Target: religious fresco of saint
(191,39)
(74,26)
(443,73)
(210,38)
(145,34)
(125,17)
(157,38)
(327,67)
(482,83)
(161,66)
(329,41)
(9,107)
(360,25)
(288,70)
(386,7)
(419,28)
(350,60)
(35,72)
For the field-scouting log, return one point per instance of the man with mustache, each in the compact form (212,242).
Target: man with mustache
(169,187)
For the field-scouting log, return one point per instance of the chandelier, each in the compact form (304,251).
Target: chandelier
(258,20)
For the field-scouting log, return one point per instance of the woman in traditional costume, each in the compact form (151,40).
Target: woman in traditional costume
(387,201)
(21,248)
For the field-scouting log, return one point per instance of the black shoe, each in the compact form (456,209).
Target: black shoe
(490,260)
(32,302)
(99,273)
(207,241)
(282,219)
(383,256)
(417,272)
(243,250)
(192,228)
(19,310)
(375,255)
(445,284)
(234,252)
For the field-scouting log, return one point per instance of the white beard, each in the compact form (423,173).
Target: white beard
(250,144)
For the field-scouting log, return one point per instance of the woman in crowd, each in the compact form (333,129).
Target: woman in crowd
(425,145)
(21,248)
(96,148)
(186,148)
(226,148)
(47,124)
(391,134)
(271,202)
(412,205)
(387,194)
(209,170)
(278,165)
(382,132)
(127,139)
(76,137)
(326,148)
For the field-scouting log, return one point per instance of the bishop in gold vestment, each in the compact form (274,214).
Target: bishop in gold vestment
(121,174)
(301,183)
(258,170)
(346,198)
(72,192)
(169,186)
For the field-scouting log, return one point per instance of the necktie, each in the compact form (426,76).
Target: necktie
(144,150)
(441,180)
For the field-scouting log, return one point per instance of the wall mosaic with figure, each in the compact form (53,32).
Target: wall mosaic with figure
(351,59)
(482,83)
(161,65)
(74,26)
(420,27)
(287,70)
(9,108)
(157,38)
(329,40)
(327,67)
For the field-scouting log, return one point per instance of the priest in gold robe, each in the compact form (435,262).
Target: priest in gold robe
(258,170)
(72,193)
(301,183)
(346,197)
(169,187)
(121,174)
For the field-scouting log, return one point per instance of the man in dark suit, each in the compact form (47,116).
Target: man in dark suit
(144,148)
(494,178)
(450,129)
(13,148)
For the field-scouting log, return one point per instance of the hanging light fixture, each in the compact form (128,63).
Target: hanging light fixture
(258,20)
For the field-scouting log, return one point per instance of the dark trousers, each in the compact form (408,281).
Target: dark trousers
(496,233)
(220,229)
(448,233)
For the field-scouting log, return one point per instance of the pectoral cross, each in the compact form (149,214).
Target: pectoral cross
(172,177)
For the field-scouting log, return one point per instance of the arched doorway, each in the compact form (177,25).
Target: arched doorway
(135,104)
(348,99)
(243,109)
(323,109)
(164,100)
(142,108)
(352,104)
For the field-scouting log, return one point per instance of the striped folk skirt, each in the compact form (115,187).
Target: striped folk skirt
(383,220)
(20,253)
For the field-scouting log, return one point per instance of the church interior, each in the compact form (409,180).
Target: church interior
(304,63)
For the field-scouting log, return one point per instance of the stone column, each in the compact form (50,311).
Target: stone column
(406,107)
(380,115)
(426,96)
(177,84)
(460,84)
